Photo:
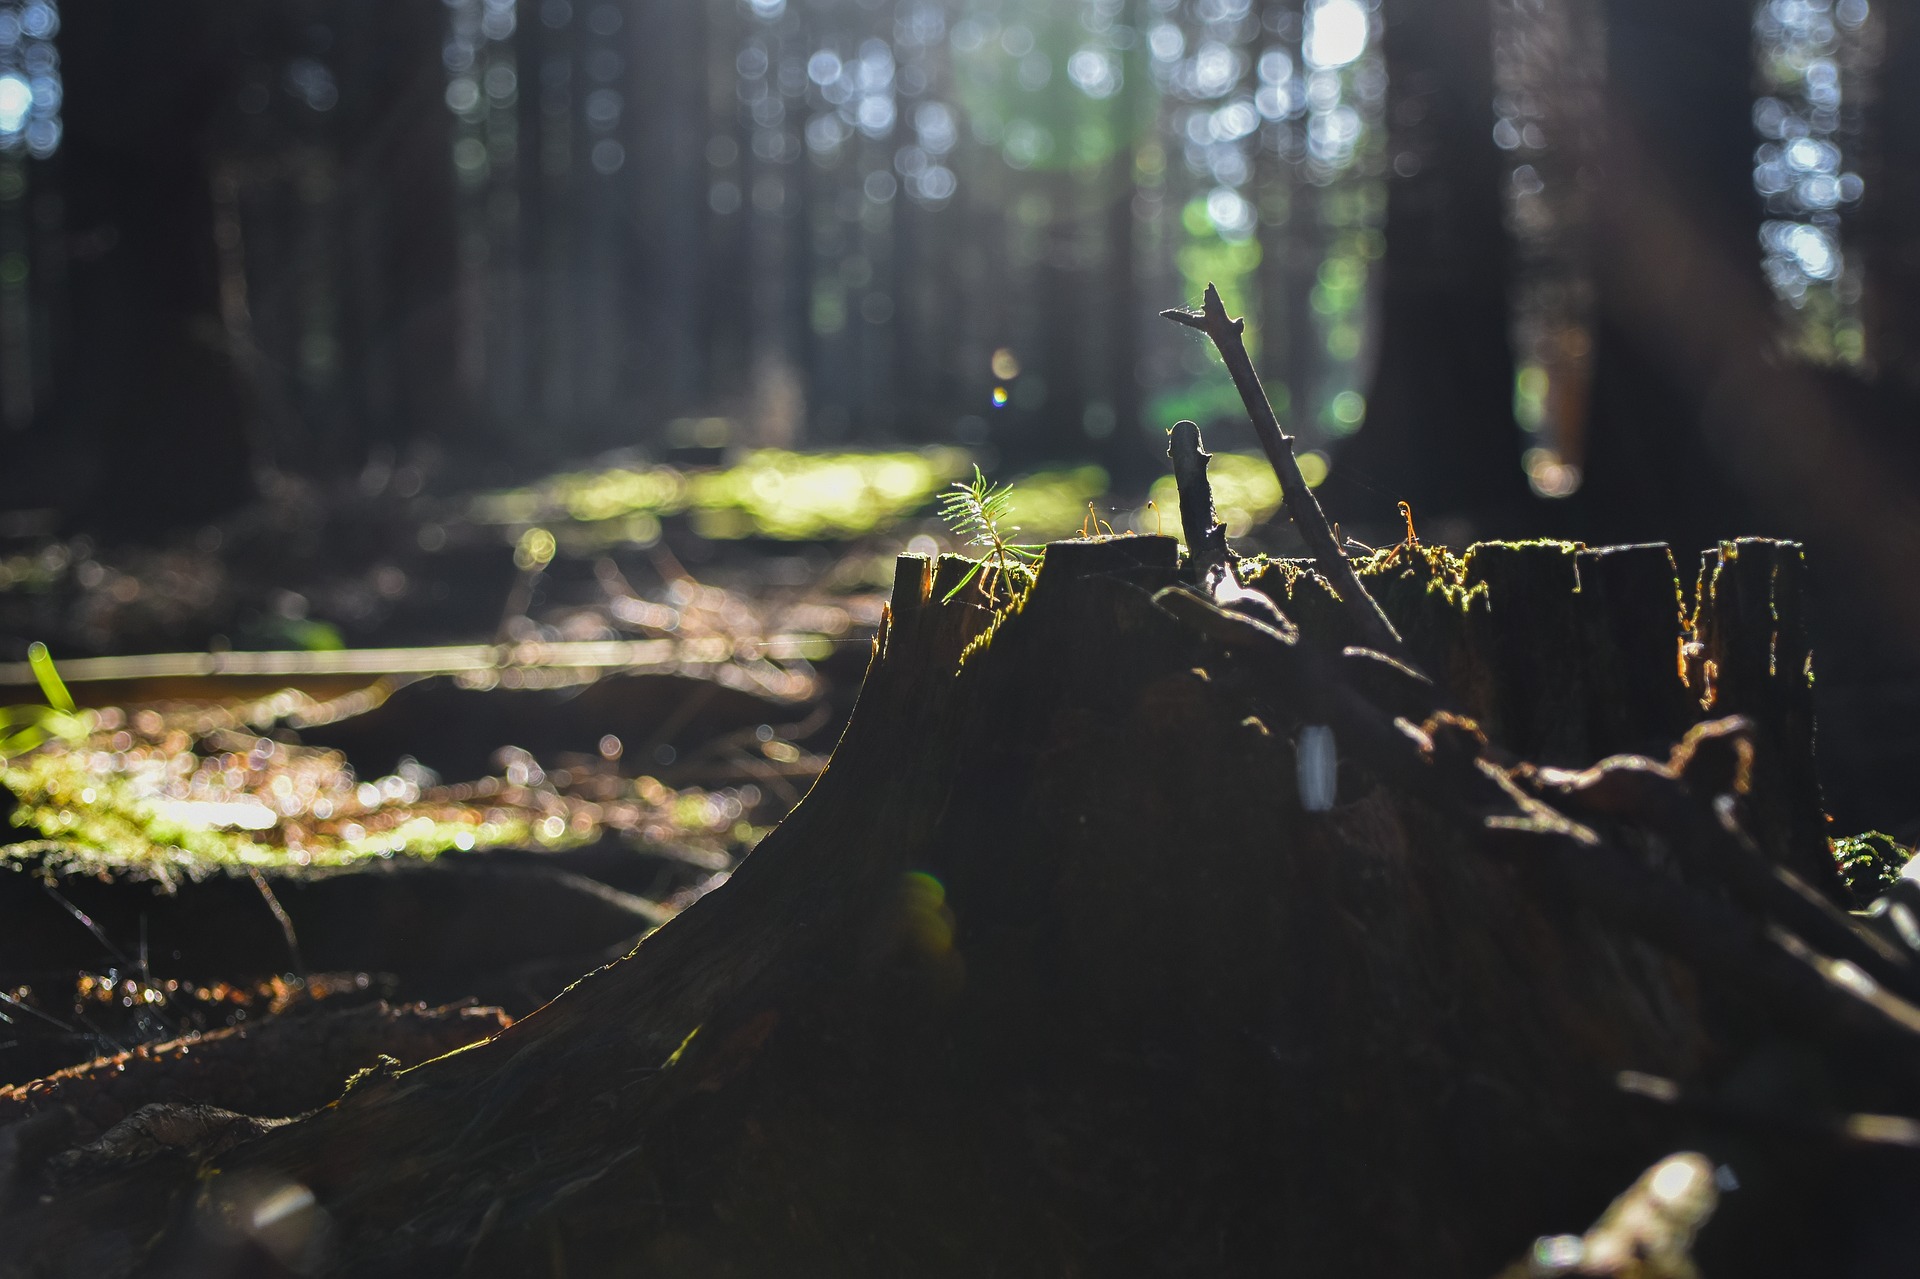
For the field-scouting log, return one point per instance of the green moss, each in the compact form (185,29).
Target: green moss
(1019,590)
(196,789)
(1870,863)
(768,493)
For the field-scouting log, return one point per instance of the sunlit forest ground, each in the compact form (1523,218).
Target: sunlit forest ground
(456,460)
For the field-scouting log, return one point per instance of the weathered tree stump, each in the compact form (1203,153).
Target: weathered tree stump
(1053,973)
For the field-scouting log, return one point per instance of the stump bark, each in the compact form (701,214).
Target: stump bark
(1052,973)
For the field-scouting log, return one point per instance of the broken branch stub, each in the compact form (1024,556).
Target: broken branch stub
(1206,536)
(1302,507)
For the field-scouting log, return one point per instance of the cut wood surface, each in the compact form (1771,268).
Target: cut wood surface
(1053,973)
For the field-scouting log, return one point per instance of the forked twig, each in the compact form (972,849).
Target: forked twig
(1304,508)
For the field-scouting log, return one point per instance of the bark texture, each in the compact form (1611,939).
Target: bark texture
(1052,973)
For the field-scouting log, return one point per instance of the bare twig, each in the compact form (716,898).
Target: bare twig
(280,917)
(1375,630)
(1206,536)
(1212,559)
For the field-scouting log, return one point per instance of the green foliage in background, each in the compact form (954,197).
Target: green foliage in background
(1245,491)
(1207,400)
(1051,504)
(768,493)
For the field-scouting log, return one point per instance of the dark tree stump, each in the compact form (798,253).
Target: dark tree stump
(1051,973)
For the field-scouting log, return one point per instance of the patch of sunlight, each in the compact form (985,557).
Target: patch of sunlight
(768,493)
(194,788)
(1245,493)
(1053,504)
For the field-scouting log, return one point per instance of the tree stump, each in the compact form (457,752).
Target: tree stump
(1052,973)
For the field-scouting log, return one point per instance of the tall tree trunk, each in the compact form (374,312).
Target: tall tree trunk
(147,386)
(1678,157)
(399,198)
(1889,218)
(1439,429)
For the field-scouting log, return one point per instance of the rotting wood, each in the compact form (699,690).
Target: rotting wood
(959,1012)
(1694,800)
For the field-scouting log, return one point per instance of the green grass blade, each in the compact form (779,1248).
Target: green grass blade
(961,584)
(52,687)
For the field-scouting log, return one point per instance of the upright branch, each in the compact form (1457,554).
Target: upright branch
(1211,558)
(1375,630)
(1206,536)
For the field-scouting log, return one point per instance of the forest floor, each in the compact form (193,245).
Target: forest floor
(415,765)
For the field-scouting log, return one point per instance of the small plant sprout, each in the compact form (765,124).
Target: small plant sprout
(22,728)
(976,510)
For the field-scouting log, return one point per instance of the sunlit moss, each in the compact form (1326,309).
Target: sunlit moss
(769,493)
(1870,863)
(195,790)
(797,496)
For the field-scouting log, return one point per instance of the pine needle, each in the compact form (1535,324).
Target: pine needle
(975,510)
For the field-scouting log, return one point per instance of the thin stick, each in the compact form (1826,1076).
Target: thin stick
(280,917)
(1211,559)
(1206,536)
(1304,508)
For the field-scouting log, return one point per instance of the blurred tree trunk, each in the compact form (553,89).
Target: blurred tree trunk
(1678,267)
(1439,429)
(659,210)
(1124,312)
(1888,224)
(1063,301)
(397,196)
(147,391)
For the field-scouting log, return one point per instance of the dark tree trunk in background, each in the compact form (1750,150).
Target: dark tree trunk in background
(1888,223)
(1678,271)
(397,196)
(1440,430)
(1300,249)
(1129,462)
(1704,424)
(662,192)
(148,397)
(1062,299)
